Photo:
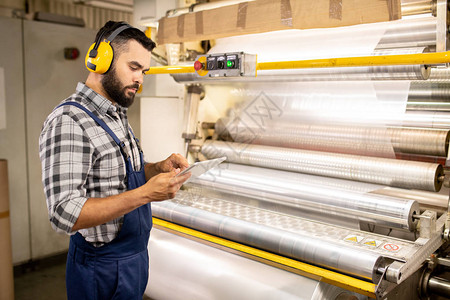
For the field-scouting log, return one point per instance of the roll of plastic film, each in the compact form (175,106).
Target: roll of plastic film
(362,140)
(313,200)
(391,172)
(336,256)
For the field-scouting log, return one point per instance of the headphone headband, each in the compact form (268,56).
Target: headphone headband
(116,32)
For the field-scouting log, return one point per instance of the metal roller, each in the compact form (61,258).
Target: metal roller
(440,74)
(420,141)
(427,200)
(428,106)
(370,141)
(431,93)
(410,33)
(417,7)
(429,96)
(405,174)
(431,119)
(274,189)
(408,72)
(336,256)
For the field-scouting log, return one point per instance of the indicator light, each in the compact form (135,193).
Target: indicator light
(71,53)
(198,66)
(230,63)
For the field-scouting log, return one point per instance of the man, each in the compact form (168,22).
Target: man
(97,186)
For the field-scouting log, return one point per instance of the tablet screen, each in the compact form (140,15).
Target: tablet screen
(201,167)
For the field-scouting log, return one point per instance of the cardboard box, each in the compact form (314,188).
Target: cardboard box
(6,267)
(270,15)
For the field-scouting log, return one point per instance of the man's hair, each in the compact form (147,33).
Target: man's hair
(120,41)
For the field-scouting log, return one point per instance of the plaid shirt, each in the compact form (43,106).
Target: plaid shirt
(80,160)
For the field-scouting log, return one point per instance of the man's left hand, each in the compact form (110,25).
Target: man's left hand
(175,161)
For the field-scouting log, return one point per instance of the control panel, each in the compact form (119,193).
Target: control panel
(226,65)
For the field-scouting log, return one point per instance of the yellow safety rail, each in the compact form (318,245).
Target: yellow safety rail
(334,278)
(171,70)
(381,60)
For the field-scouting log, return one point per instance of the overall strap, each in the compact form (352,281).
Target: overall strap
(102,124)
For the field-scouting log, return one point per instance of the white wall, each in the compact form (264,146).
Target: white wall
(49,78)
(37,78)
(13,137)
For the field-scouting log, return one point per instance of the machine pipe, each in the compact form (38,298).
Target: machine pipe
(360,61)
(401,59)
(439,286)
(417,7)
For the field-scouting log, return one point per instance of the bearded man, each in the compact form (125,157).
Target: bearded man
(97,185)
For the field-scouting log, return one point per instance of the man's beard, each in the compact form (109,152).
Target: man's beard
(118,93)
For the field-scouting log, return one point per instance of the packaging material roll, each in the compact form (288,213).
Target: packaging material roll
(385,171)
(6,268)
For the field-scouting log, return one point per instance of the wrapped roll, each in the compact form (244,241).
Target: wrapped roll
(333,255)
(359,140)
(299,195)
(391,172)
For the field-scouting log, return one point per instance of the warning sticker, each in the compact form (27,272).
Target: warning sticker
(354,238)
(391,247)
(372,243)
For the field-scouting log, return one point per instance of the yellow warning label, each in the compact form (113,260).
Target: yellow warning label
(352,239)
(371,243)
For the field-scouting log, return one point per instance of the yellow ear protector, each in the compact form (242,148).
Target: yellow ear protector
(100,55)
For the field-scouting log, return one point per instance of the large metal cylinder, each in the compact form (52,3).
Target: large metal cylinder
(440,74)
(439,286)
(417,7)
(295,194)
(431,119)
(428,95)
(336,256)
(410,33)
(359,140)
(399,173)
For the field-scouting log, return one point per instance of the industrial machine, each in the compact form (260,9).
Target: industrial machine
(336,180)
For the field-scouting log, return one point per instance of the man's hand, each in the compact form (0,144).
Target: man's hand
(164,185)
(175,161)
(159,187)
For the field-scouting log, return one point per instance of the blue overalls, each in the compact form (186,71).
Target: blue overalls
(118,269)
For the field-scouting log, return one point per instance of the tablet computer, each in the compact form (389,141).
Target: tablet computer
(202,167)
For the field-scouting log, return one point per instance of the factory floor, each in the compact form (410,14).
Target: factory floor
(42,280)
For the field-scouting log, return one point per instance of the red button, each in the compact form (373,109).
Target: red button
(198,66)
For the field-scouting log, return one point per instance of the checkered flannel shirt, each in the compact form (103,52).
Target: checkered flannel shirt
(80,160)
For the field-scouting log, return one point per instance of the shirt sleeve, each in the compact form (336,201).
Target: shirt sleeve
(66,157)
